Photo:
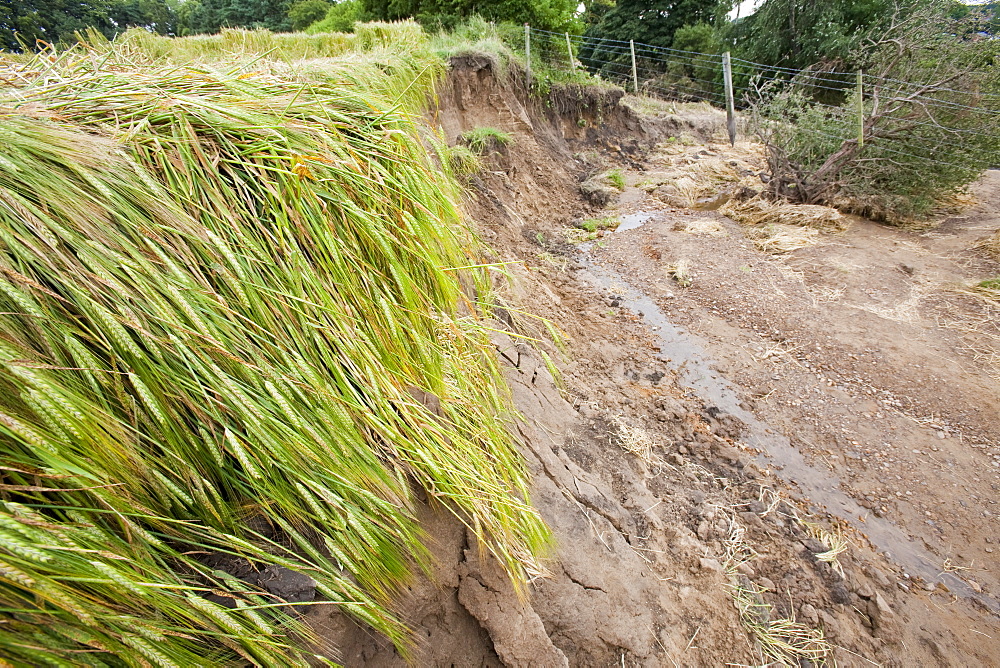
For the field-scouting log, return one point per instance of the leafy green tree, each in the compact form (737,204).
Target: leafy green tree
(51,20)
(555,15)
(154,15)
(802,33)
(304,13)
(209,16)
(931,123)
(645,21)
(340,17)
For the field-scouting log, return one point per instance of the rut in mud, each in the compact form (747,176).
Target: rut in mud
(722,414)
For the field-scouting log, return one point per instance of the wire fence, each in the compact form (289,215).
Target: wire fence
(925,116)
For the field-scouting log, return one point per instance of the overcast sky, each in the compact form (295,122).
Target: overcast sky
(747,7)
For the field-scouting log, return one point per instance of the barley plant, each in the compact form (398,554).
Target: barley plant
(225,294)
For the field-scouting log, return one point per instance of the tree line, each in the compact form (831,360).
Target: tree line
(784,33)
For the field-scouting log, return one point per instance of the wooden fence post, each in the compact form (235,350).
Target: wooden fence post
(527,52)
(861,112)
(635,76)
(569,50)
(727,77)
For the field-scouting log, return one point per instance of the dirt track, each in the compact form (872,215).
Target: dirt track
(857,351)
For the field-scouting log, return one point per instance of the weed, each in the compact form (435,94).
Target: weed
(486,139)
(463,161)
(595,224)
(616,178)
(680,271)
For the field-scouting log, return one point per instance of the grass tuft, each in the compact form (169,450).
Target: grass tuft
(485,140)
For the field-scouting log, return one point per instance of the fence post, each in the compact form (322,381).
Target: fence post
(861,112)
(527,52)
(569,50)
(635,77)
(727,77)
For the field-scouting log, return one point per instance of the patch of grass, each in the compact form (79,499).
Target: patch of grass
(990,284)
(616,178)
(462,161)
(595,224)
(484,140)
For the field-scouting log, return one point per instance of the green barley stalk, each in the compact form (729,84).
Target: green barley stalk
(218,291)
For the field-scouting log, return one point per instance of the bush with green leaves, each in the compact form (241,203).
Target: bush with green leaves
(340,17)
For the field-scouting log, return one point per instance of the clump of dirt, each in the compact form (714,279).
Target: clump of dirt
(675,541)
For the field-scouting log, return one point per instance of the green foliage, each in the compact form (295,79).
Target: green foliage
(233,325)
(646,21)
(594,224)
(615,178)
(802,33)
(304,13)
(554,15)
(486,140)
(341,17)
(463,161)
(990,284)
(55,21)
(209,16)
(922,140)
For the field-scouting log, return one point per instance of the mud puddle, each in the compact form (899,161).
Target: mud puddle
(633,221)
(685,354)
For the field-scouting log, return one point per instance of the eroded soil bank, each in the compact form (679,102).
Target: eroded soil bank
(855,351)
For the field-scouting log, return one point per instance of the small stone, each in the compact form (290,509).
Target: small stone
(766,583)
(975,587)
(704,531)
(883,606)
(746,569)
(808,613)
(710,565)
(864,590)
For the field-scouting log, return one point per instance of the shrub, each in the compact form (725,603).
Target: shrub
(340,17)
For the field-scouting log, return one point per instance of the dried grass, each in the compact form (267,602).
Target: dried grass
(758,211)
(706,227)
(781,238)
(634,440)
(990,245)
(680,271)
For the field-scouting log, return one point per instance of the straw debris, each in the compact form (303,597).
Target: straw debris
(759,211)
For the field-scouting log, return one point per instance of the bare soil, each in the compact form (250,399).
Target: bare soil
(860,350)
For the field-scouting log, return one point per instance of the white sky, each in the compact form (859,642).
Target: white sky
(747,7)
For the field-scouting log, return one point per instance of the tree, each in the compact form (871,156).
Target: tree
(555,15)
(51,20)
(153,15)
(208,16)
(803,33)
(304,13)
(931,120)
(646,21)
(340,17)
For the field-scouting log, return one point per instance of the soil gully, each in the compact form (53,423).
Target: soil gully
(685,354)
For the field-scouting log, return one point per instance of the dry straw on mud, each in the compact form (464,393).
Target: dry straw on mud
(758,211)
(225,300)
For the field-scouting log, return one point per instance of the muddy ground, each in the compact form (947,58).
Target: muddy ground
(856,361)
